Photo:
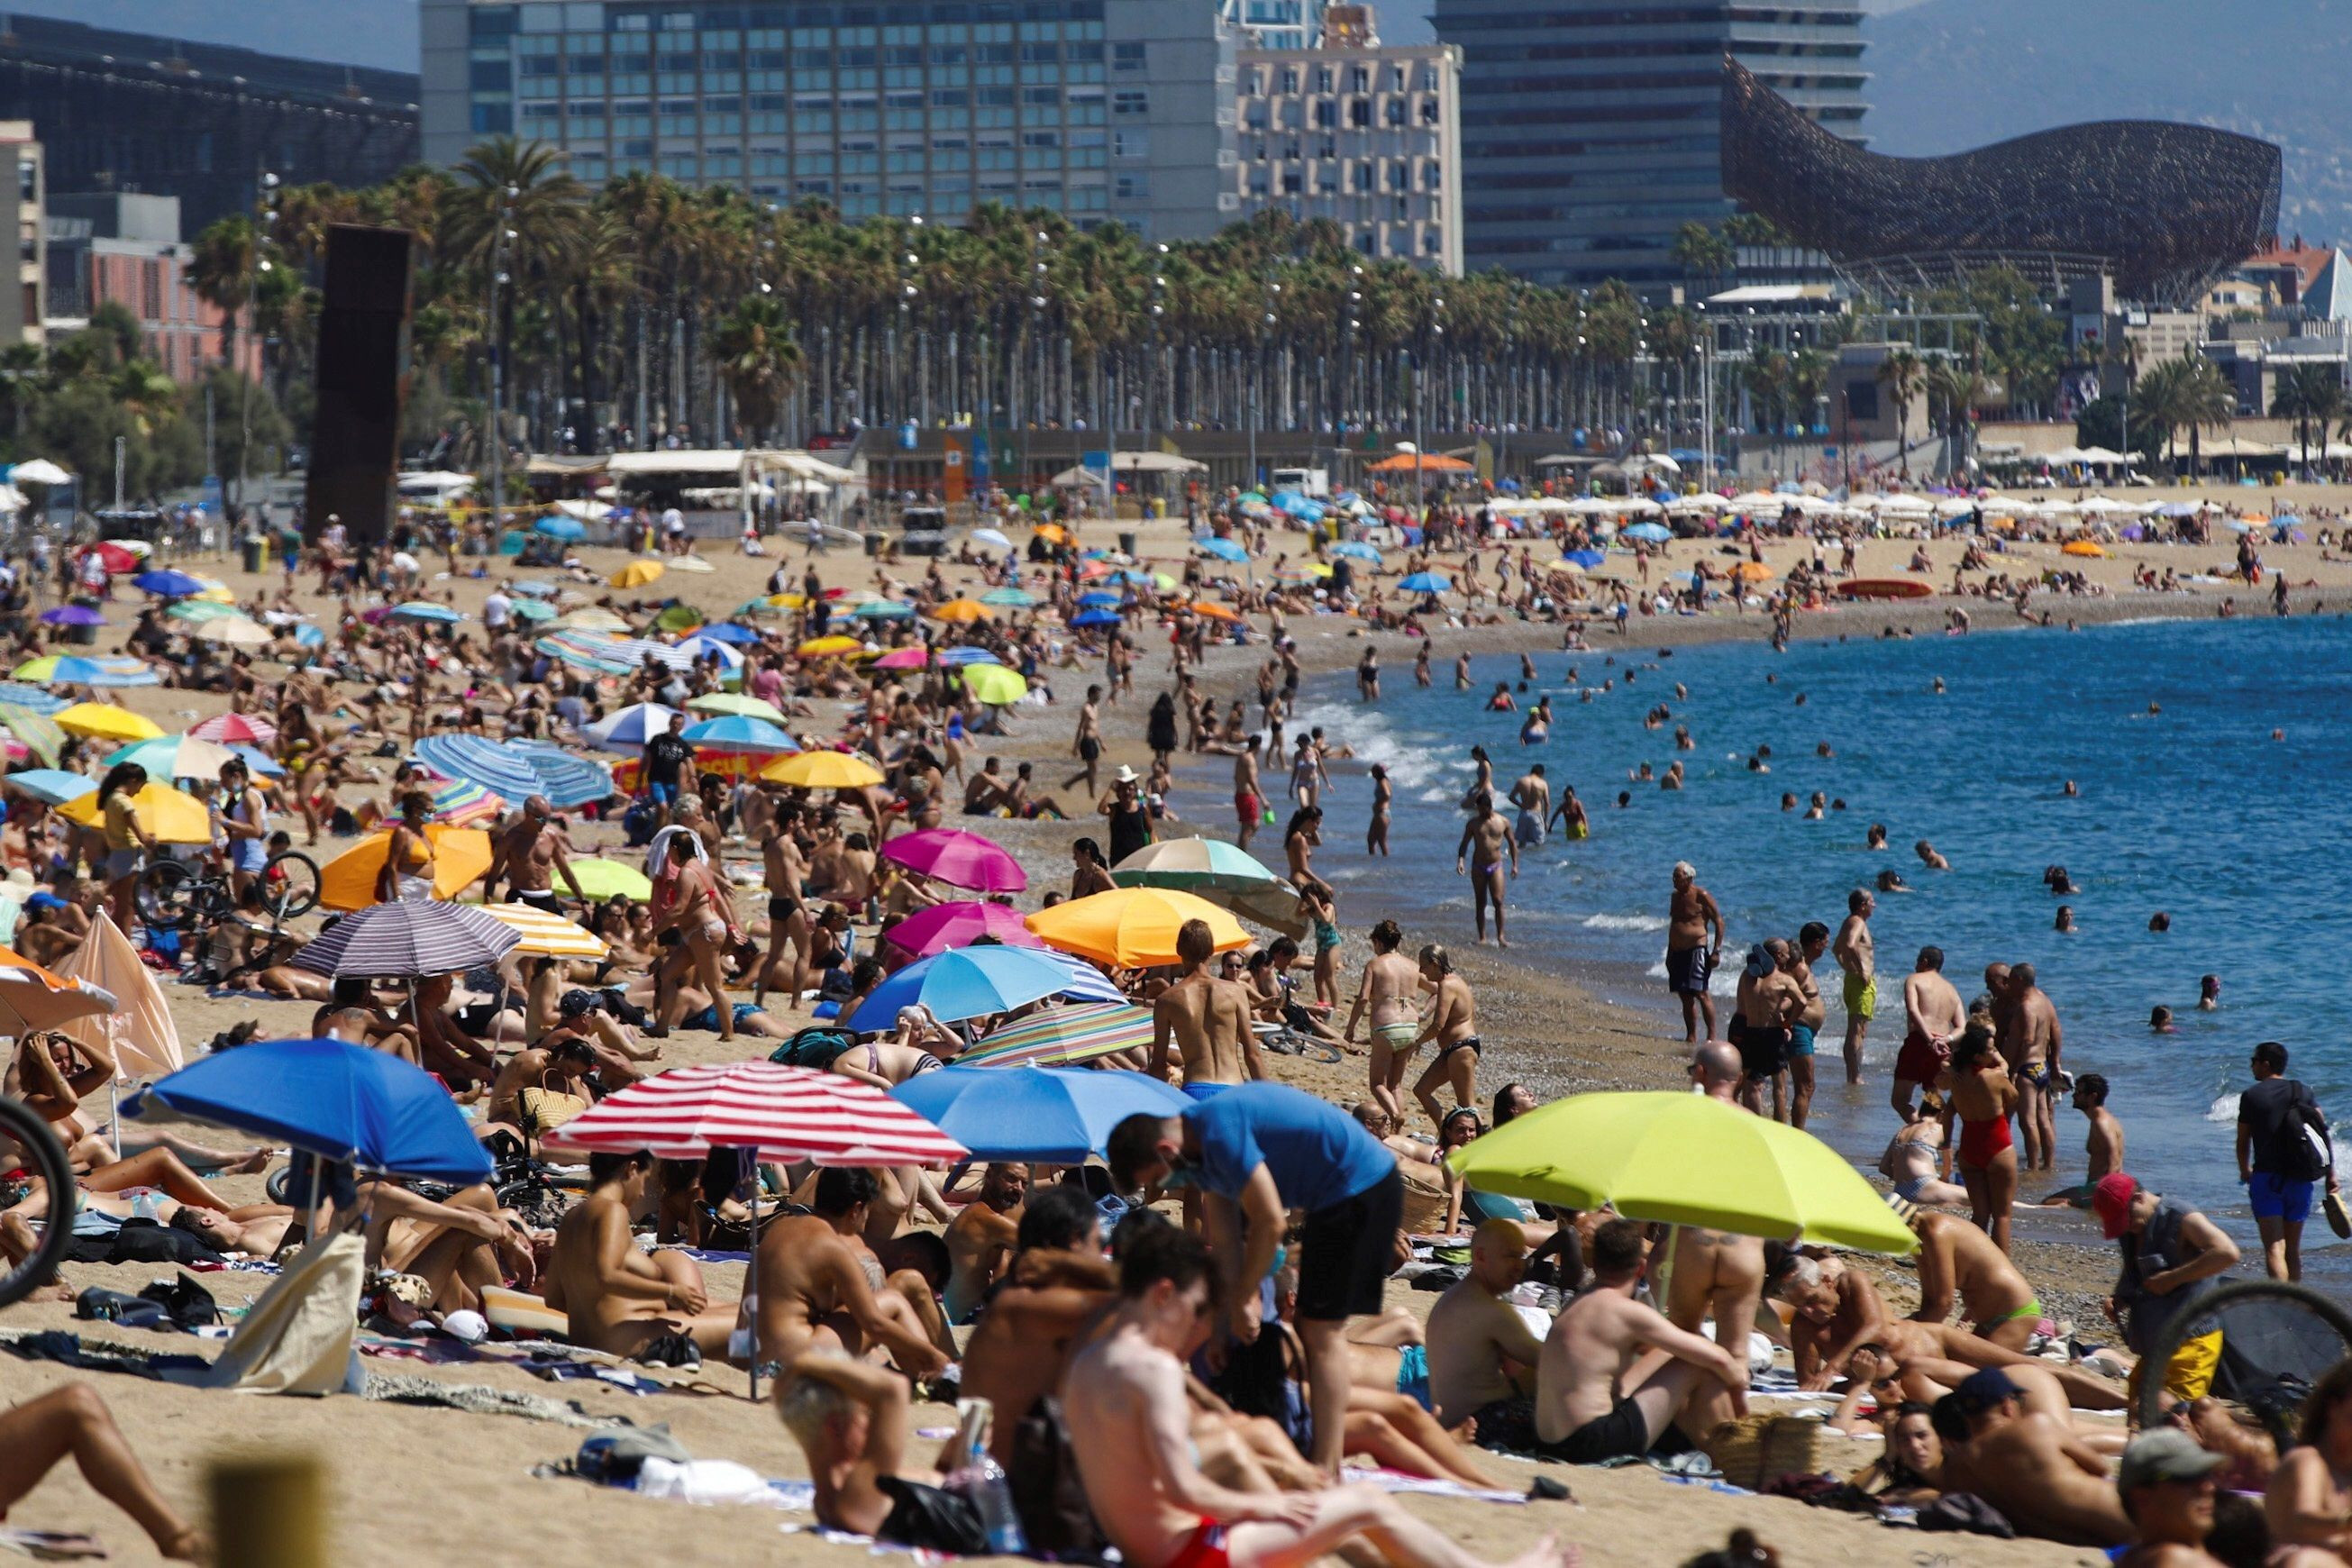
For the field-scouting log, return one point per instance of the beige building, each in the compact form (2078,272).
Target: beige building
(23,306)
(1365,134)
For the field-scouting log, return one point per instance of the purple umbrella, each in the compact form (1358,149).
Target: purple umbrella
(958,859)
(943,926)
(72,616)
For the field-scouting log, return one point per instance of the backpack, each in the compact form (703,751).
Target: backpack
(2308,1155)
(814,1047)
(1046,1491)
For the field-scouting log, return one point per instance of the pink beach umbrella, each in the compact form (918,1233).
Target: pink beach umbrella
(237,730)
(943,926)
(959,858)
(903,659)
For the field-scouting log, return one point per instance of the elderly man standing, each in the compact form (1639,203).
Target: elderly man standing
(1690,918)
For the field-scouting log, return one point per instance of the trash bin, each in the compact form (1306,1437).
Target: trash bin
(1126,543)
(872,544)
(254,545)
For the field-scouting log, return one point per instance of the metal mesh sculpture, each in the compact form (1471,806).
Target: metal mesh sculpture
(2164,208)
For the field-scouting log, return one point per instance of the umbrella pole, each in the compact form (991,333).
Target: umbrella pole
(751,1281)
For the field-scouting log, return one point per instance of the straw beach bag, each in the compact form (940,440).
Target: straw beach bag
(1756,1450)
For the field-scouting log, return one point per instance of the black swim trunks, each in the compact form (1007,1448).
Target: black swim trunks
(1687,969)
(1089,748)
(543,900)
(1347,1250)
(783,909)
(1762,1052)
(1622,1434)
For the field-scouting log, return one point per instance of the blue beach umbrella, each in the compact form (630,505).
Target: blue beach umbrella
(630,728)
(103,672)
(1587,559)
(258,762)
(168,585)
(1356,550)
(53,786)
(1651,532)
(964,653)
(1054,1116)
(534,588)
(1099,600)
(565,780)
(426,610)
(884,610)
(567,529)
(702,647)
(365,1109)
(965,982)
(1008,598)
(1095,619)
(741,733)
(729,631)
(72,616)
(16,694)
(494,767)
(1223,549)
(1425,582)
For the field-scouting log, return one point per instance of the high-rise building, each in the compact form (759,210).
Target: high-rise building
(123,111)
(24,300)
(1270,24)
(1591,129)
(1096,109)
(1362,133)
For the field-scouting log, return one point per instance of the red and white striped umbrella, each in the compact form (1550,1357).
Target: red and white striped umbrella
(784,1112)
(244,728)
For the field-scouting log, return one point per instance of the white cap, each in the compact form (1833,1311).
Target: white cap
(469,1326)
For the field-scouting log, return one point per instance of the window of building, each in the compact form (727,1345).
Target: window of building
(1364,177)
(1359,113)
(1323,79)
(1327,114)
(1291,182)
(493,120)
(1289,79)
(1135,187)
(1396,113)
(1254,84)
(1131,144)
(1257,183)
(1130,101)
(1125,57)
(1429,112)
(490,76)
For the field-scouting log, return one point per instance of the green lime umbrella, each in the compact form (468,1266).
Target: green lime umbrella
(611,880)
(734,702)
(1684,1159)
(994,684)
(678,618)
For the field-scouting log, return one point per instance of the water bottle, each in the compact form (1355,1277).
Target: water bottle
(981,1480)
(146,1204)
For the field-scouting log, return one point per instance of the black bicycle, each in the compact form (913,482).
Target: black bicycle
(172,894)
(39,1156)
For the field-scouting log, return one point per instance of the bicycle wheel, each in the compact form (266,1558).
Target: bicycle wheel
(2274,1332)
(38,1151)
(292,884)
(167,894)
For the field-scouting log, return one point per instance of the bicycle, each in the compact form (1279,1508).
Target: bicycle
(175,894)
(39,1155)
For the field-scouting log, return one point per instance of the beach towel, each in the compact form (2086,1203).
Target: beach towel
(300,1336)
(481,1399)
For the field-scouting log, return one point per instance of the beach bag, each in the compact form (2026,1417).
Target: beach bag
(1046,1492)
(1756,1450)
(2310,1156)
(930,1519)
(184,1301)
(814,1047)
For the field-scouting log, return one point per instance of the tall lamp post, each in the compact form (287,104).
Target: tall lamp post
(499,238)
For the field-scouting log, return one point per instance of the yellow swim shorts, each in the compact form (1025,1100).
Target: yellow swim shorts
(1860,997)
(2189,1374)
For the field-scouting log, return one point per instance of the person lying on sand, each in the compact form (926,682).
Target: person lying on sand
(2028,1465)
(1874,1373)
(820,1290)
(618,1299)
(74,1420)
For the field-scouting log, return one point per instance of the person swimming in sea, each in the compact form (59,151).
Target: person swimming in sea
(2065,921)
(1537,728)
(2208,994)
(2159,1021)
(1876,838)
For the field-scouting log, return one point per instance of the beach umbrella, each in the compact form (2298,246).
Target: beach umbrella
(1216,612)
(729,631)
(341,1102)
(176,757)
(828,647)
(1223,549)
(629,729)
(2080,547)
(1009,598)
(994,538)
(486,762)
(566,780)
(1054,1116)
(197,611)
(259,762)
(408,940)
(567,530)
(15,694)
(994,684)
(694,563)
(1085,619)
(37,735)
(736,732)
(169,815)
(903,659)
(1133,927)
(677,617)
(959,858)
(1062,1037)
(601,879)
(460,856)
(535,588)
(1684,1159)
(426,610)
(1650,532)
(884,610)
(823,769)
(32,998)
(55,670)
(116,556)
(962,612)
(105,721)
(734,702)
(465,804)
(52,786)
(236,728)
(700,647)
(233,631)
(1355,550)
(959,925)
(965,653)
(72,616)
(591,618)
(964,983)
(548,936)
(635,575)
(1052,532)
(1587,559)
(1419,582)
(1098,600)
(1196,865)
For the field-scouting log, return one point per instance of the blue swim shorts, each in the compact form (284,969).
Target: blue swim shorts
(2279,1197)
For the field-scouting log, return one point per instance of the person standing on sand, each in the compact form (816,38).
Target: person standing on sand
(1532,795)
(1248,805)
(1714,1273)
(1932,1016)
(2031,1039)
(1812,941)
(1490,837)
(2105,1145)
(1857,956)
(1452,1025)
(1208,1018)
(1086,745)
(1692,918)
(1388,989)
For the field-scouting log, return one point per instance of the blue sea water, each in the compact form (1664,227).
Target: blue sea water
(2193,809)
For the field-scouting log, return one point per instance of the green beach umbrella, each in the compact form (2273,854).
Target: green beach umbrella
(1684,1159)
(611,880)
(732,702)
(1062,1036)
(1009,598)
(1194,864)
(678,618)
(994,684)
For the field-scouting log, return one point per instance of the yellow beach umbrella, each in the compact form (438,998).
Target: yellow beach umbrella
(1683,1159)
(823,770)
(105,721)
(994,684)
(829,647)
(635,575)
(1753,571)
(546,935)
(2081,547)
(168,814)
(1132,926)
(460,856)
(962,612)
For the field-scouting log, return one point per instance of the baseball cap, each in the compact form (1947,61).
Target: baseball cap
(2112,1197)
(1980,1391)
(2164,1453)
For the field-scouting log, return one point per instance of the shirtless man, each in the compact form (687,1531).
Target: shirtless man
(980,1238)
(1086,745)
(1933,1016)
(1481,1351)
(1056,1284)
(820,1290)
(1767,1007)
(1452,1025)
(1958,1260)
(1489,837)
(2047,1481)
(1614,1373)
(1856,955)
(2105,1146)
(1388,988)
(620,1299)
(788,922)
(1531,792)
(1714,1272)
(1926,1379)
(1812,941)
(1130,1428)
(1694,942)
(531,854)
(984,793)
(1249,805)
(2031,1041)
(1208,1018)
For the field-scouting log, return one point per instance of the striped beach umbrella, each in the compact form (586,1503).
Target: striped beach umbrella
(566,780)
(1062,1037)
(16,694)
(38,733)
(629,729)
(409,939)
(486,762)
(548,936)
(465,804)
(236,729)
(784,1112)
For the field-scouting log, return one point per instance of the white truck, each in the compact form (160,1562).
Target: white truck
(1314,482)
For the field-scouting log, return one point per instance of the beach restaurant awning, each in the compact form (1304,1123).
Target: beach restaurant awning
(637,465)
(800,466)
(551,465)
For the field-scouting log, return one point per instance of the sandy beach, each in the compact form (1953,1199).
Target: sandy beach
(412,1484)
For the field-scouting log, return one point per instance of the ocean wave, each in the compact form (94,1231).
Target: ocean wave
(1626,923)
(1369,734)
(1722,982)
(2223,1110)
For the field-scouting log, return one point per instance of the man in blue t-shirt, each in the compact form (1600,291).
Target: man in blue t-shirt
(1258,1151)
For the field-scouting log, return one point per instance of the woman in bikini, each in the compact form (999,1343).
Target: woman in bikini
(1982,1098)
(407,873)
(689,900)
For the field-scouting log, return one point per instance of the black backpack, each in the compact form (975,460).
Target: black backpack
(1046,1491)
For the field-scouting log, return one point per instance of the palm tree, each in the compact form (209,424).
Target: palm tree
(2157,402)
(1901,373)
(1957,388)
(2209,400)
(758,360)
(1701,251)
(229,261)
(2310,394)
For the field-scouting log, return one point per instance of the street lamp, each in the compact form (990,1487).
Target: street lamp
(499,238)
